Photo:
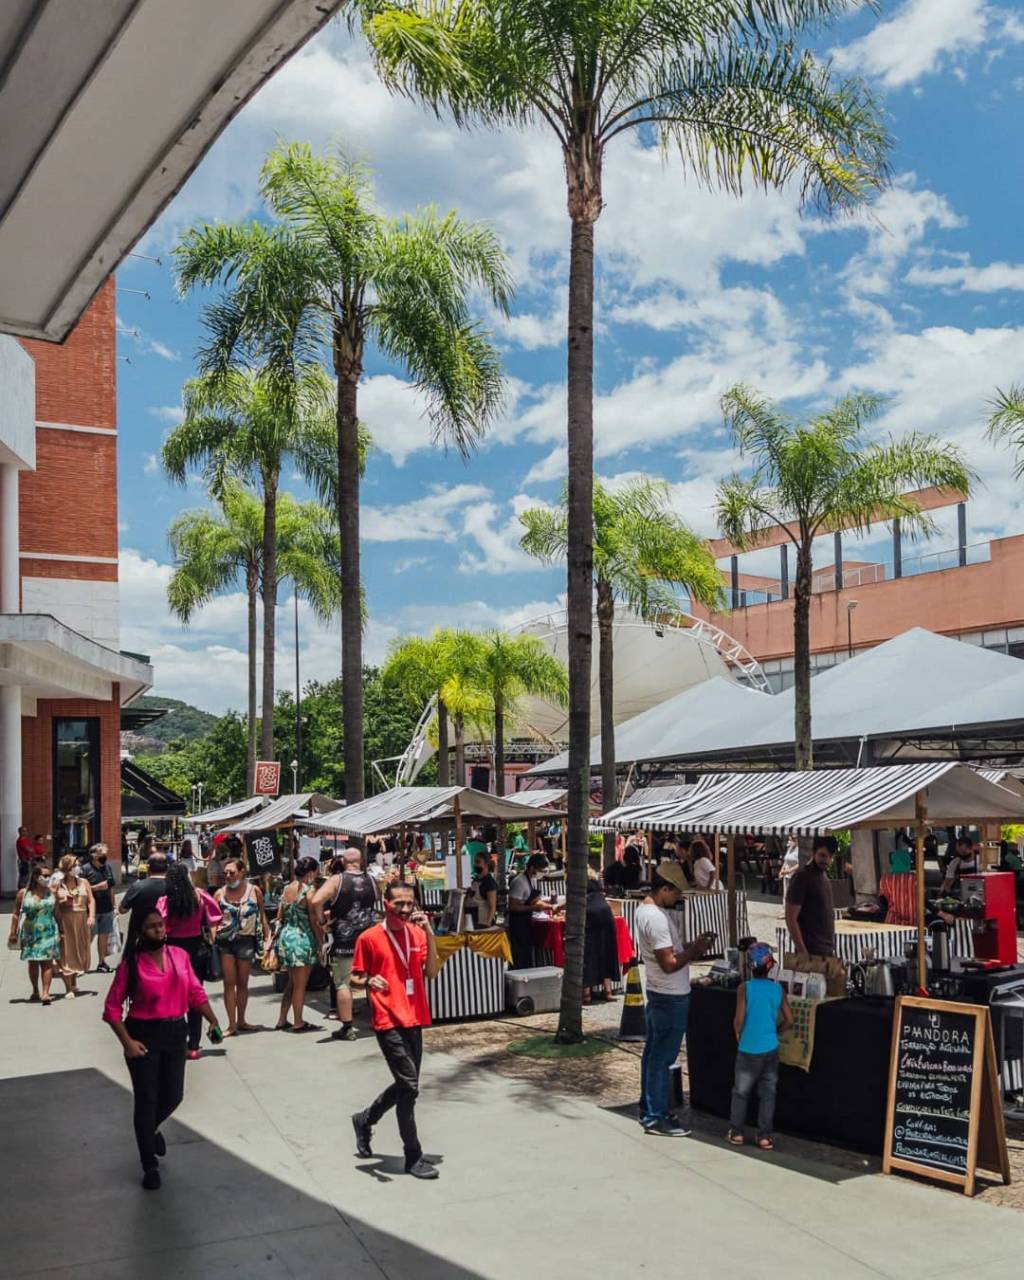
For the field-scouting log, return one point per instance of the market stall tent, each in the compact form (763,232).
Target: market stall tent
(284,811)
(419,806)
(226,812)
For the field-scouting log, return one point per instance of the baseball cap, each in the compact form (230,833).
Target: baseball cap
(759,955)
(672,873)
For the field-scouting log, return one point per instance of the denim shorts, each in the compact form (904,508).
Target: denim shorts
(242,947)
(104,923)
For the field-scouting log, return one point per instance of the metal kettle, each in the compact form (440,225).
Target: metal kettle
(873,978)
(940,946)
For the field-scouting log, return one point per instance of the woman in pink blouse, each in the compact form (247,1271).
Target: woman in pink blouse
(192,917)
(159,987)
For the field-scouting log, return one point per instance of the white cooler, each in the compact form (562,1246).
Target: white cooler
(533,990)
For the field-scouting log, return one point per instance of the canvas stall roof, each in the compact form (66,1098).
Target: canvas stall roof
(644,796)
(106,107)
(541,798)
(917,685)
(817,801)
(285,809)
(417,806)
(227,811)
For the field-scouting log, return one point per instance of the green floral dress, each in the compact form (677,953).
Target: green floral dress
(38,932)
(296,943)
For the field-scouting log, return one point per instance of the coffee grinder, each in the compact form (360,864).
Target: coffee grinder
(990,905)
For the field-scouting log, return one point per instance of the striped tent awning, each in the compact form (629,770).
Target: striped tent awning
(286,809)
(416,806)
(818,801)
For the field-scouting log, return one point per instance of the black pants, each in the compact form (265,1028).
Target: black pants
(520,937)
(403,1051)
(195,1019)
(158,1079)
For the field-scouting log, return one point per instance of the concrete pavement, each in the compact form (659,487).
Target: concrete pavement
(260,1179)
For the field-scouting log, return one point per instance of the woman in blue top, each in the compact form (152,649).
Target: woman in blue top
(761,1010)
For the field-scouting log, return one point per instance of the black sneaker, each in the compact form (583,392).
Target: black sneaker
(364,1134)
(422,1169)
(667,1129)
(151,1180)
(103,967)
(346,1032)
(159,1145)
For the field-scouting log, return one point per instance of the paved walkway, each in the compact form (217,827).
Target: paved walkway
(260,1178)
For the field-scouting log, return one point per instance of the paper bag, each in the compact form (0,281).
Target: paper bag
(833,969)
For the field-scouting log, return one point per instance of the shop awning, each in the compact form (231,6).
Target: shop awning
(285,809)
(226,812)
(818,801)
(107,107)
(143,796)
(417,806)
(49,660)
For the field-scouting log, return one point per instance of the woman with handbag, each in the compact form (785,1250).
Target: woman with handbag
(191,917)
(245,920)
(160,988)
(300,936)
(76,915)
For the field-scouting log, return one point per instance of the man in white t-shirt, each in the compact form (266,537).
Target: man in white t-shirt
(666,963)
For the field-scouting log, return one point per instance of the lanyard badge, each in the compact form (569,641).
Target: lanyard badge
(405,957)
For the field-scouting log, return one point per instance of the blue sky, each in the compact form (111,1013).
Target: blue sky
(920,299)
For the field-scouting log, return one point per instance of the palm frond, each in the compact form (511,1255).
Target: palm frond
(1006,423)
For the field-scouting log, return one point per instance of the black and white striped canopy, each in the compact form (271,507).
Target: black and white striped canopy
(815,802)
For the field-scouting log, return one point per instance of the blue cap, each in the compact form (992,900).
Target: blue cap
(759,955)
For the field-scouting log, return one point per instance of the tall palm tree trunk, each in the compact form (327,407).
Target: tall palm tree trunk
(583,175)
(606,689)
(499,746)
(443,762)
(351,607)
(804,758)
(269,613)
(460,752)
(250,755)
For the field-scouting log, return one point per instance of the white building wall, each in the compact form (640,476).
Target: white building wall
(90,608)
(17,404)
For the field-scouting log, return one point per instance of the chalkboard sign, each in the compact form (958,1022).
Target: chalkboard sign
(944,1114)
(264,850)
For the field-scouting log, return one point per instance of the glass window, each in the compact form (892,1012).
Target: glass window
(76,783)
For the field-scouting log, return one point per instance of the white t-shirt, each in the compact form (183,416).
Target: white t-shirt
(657,929)
(704,873)
(522,888)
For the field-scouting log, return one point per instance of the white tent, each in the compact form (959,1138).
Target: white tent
(227,811)
(417,806)
(285,809)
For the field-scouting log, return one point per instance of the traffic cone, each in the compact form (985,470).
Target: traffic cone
(633,1024)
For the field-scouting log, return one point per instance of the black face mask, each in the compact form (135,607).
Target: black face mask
(146,943)
(102,861)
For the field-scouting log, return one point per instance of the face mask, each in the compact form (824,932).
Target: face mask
(44,881)
(102,860)
(146,943)
(233,884)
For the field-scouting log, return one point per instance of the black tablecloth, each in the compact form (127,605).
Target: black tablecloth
(841,1100)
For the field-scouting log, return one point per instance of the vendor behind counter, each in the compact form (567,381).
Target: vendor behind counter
(524,898)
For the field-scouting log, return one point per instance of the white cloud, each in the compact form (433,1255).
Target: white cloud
(499,549)
(918,40)
(144,343)
(172,414)
(410,562)
(964,278)
(437,517)
(152,464)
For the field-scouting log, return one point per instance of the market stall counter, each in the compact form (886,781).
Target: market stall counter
(840,1100)
(471,983)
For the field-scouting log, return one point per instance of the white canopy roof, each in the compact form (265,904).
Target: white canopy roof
(227,811)
(106,107)
(541,798)
(918,684)
(416,806)
(284,809)
(817,801)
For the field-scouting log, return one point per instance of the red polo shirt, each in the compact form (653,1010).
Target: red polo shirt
(25,848)
(378,955)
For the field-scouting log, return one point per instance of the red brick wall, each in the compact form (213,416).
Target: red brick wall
(37,764)
(68,569)
(76,380)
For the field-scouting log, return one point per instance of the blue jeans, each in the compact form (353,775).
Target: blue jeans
(760,1071)
(666,1026)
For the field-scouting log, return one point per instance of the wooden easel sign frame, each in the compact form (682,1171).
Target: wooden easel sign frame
(944,1117)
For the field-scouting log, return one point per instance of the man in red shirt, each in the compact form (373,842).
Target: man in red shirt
(25,850)
(393,960)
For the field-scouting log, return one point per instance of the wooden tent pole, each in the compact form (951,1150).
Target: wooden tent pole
(457,813)
(650,854)
(718,857)
(920,814)
(730,880)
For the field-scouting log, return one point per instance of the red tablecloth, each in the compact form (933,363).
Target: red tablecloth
(549,935)
(901,892)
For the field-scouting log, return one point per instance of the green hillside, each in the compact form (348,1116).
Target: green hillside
(182,723)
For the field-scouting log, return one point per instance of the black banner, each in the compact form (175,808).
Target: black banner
(931,1108)
(264,850)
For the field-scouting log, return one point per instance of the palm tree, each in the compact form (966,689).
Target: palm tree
(404,286)
(1006,423)
(641,551)
(416,665)
(212,550)
(823,476)
(723,84)
(245,424)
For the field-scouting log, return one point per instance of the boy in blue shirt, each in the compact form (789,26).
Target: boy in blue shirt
(761,1010)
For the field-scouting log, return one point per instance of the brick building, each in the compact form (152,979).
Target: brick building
(63,679)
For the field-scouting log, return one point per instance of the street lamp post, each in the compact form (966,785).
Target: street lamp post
(850,606)
(199,788)
(295,777)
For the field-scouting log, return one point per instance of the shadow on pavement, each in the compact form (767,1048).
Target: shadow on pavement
(73,1206)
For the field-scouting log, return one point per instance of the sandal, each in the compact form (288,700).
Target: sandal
(735,1137)
(306,1026)
(282,1026)
(766,1144)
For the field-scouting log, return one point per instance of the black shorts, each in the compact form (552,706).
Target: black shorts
(242,948)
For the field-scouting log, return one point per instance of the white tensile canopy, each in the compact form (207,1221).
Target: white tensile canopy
(286,809)
(227,811)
